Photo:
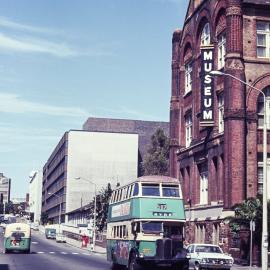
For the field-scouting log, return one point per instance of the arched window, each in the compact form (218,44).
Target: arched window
(205,35)
(260,111)
(260,108)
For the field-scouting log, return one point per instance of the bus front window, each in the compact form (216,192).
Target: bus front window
(150,190)
(152,227)
(170,191)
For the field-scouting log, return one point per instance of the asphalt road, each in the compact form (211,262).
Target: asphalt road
(48,255)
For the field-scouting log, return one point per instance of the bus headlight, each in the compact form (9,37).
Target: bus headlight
(141,255)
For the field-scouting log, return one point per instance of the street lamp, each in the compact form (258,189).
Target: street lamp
(60,209)
(264,219)
(95,208)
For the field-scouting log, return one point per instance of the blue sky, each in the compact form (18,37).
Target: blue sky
(63,61)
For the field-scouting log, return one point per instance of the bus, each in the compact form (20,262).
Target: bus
(146,224)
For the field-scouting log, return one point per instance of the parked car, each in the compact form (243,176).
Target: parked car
(50,233)
(60,238)
(35,226)
(206,256)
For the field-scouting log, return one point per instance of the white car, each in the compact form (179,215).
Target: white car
(206,256)
(60,238)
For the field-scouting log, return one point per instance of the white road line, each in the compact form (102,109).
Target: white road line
(63,252)
(35,243)
(40,252)
(85,253)
(52,252)
(75,253)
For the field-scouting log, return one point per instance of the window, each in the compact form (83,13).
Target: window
(188,125)
(204,185)
(221,50)
(263,39)
(215,235)
(188,78)
(136,189)
(205,36)
(150,190)
(200,233)
(260,108)
(152,227)
(170,191)
(220,113)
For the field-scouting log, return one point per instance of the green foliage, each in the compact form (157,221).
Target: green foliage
(103,199)
(250,209)
(44,218)
(157,160)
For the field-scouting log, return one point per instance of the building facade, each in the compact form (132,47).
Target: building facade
(145,129)
(35,194)
(5,185)
(219,163)
(83,161)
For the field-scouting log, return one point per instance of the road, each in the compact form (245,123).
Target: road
(48,255)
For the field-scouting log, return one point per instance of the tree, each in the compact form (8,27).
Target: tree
(44,218)
(157,159)
(103,199)
(250,209)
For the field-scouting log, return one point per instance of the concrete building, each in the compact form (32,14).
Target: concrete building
(35,194)
(216,124)
(98,157)
(5,185)
(145,129)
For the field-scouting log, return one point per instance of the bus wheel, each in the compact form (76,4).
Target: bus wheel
(197,266)
(132,264)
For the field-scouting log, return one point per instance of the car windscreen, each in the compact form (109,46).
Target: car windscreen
(17,235)
(208,249)
(152,227)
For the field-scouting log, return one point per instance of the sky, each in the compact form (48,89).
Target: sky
(64,61)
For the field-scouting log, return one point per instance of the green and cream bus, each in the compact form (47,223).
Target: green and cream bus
(145,224)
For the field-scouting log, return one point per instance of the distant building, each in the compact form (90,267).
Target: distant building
(5,184)
(99,157)
(35,193)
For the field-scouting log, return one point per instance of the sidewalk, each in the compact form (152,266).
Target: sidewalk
(78,244)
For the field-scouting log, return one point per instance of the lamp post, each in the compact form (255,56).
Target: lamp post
(264,218)
(60,208)
(95,208)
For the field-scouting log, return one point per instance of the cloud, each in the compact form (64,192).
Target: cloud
(7,23)
(32,45)
(12,103)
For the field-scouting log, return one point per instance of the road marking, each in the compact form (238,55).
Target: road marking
(63,252)
(40,252)
(85,253)
(35,243)
(52,252)
(75,253)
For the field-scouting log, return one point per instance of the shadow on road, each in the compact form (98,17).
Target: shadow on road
(4,267)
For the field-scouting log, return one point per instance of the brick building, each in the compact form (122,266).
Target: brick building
(219,165)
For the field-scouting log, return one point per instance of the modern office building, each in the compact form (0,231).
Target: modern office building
(5,185)
(81,161)
(35,194)
(216,124)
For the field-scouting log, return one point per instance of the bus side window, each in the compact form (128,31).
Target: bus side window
(136,189)
(131,190)
(121,193)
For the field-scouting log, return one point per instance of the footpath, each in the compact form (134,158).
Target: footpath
(78,244)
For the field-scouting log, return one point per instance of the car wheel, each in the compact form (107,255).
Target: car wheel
(132,263)
(197,266)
